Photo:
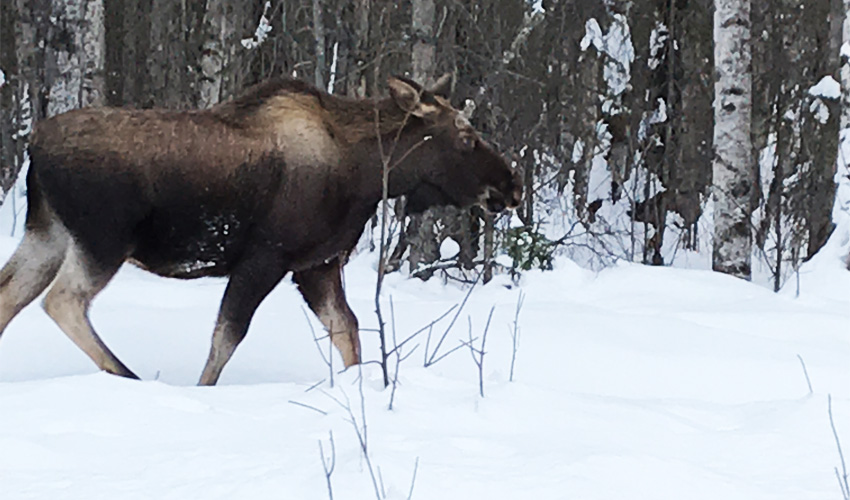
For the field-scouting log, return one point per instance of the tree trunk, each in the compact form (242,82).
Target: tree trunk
(75,55)
(424,53)
(841,207)
(217,26)
(843,164)
(319,36)
(421,231)
(114,40)
(733,161)
(10,88)
(356,77)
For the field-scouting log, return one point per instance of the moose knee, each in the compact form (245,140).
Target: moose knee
(59,303)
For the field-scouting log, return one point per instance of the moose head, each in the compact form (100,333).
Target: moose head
(448,162)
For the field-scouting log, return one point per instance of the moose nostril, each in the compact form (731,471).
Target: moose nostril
(495,206)
(515,200)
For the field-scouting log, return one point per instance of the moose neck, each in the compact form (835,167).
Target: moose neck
(397,151)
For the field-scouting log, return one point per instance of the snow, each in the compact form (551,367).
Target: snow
(827,87)
(262,32)
(635,382)
(819,111)
(2,78)
(537,7)
(616,44)
(449,248)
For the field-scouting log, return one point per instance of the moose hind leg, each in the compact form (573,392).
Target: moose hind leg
(79,280)
(30,269)
(258,272)
(321,287)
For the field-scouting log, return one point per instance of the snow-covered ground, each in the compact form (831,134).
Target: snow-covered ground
(638,382)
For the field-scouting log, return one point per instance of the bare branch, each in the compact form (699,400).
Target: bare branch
(806,373)
(842,476)
(413,480)
(478,354)
(431,360)
(328,464)
(515,334)
(417,332)
(297,403)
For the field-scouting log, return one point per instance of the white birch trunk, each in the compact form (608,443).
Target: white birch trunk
(422,229)
(214,53)
(423,58)
(75,64)
(93,42)
(841,207)
(319,36)
(845,75)
(733,159)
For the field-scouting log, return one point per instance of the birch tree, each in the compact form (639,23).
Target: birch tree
(841,210)
(733,158)
(424,246)
(10,92)
(217,28)
(74,70)
(319,35)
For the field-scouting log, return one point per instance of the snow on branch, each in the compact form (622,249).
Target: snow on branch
(617,45)
(262,31)
(530,21)
(827,88)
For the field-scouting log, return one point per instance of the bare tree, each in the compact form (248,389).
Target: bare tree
(733,161)
(217,30)
(842,174)
(319,39)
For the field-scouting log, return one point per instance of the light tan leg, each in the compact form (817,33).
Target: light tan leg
(31,268)
(322,288)
(259,271)
(78,282)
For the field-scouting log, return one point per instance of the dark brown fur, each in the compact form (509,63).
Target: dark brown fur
(282,178)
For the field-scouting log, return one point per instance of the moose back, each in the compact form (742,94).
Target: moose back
(281,179)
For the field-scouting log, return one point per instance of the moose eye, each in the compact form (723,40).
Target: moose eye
(467,142)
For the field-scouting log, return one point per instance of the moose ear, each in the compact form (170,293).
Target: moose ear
(405,95)
(443,86)
(408,96)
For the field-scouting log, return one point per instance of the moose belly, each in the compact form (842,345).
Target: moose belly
(183,244)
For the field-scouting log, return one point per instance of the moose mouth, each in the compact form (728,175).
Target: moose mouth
(494,206)
(427,195)
(495,202)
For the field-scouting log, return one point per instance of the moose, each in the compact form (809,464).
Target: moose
(281,179)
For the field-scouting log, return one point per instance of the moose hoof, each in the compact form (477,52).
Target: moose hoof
(123,372)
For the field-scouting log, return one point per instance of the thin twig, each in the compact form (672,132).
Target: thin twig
(431,360)
(842,476)
(381,482)
(463,343)
(317,384)
(296,403)
(478,354)
(397,355)
(361,433)
(413,480)
(806,373)
(382,252)
(515,334)
(417,332)
(329,464)
(327,359)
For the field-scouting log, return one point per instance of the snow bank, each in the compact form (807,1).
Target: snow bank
(636,382)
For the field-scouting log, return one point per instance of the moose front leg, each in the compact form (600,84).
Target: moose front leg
(321,287)
(259,271)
